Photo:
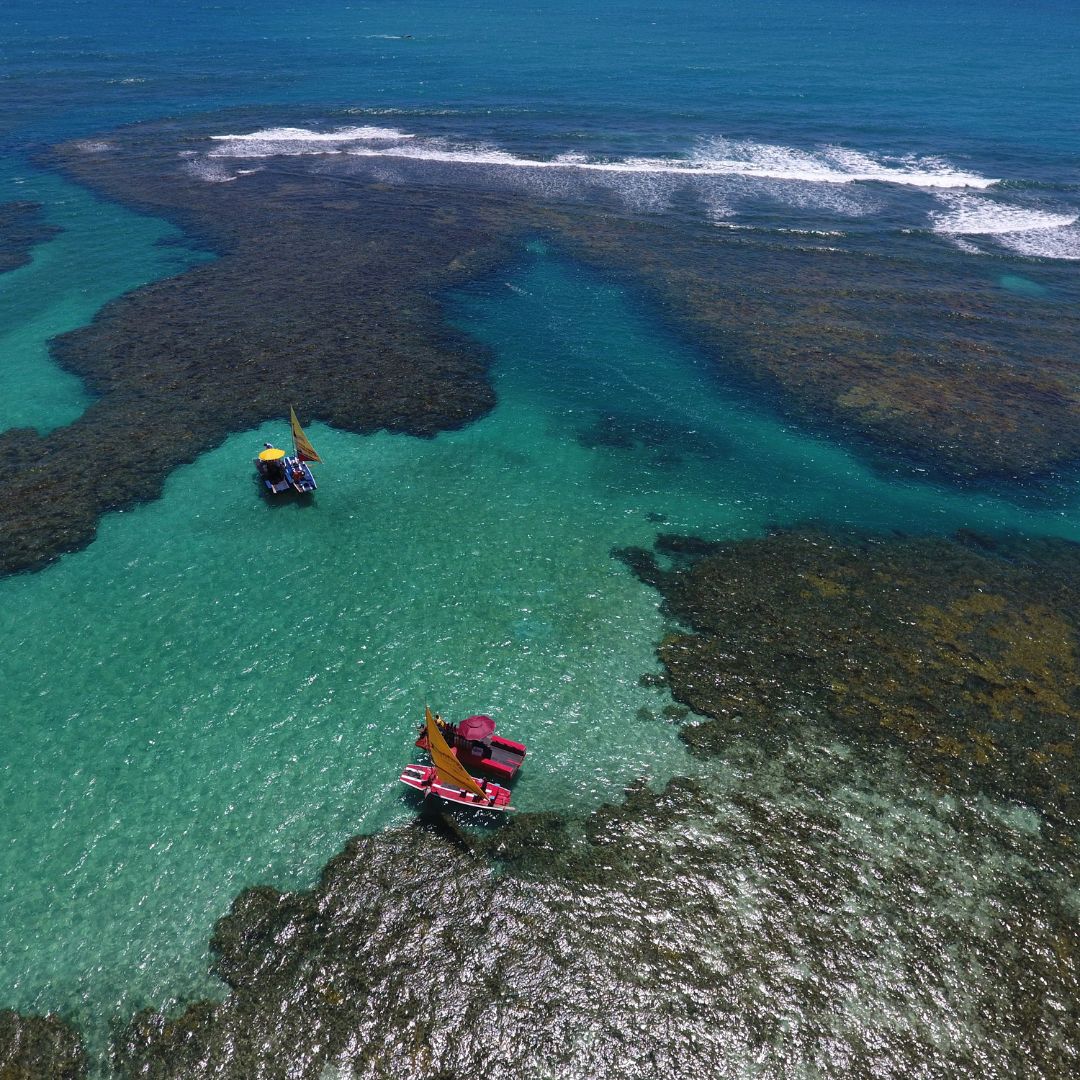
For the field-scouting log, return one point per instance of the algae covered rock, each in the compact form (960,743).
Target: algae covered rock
(964,651)
(39,1048)
(761,916)
(22,227)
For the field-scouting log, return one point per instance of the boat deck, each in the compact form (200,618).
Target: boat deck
(504,756)
(424,779)
(503,760)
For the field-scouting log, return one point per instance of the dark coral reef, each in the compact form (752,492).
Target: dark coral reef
(316,299)
(326,293)
(22,228)
(804,910)
(691,931)
(941,367)
(963,651)
(39,1048)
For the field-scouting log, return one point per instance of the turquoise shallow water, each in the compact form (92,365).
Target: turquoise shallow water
(68,280)
(220,690)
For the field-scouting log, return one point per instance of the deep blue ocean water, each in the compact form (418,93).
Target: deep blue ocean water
(152,766)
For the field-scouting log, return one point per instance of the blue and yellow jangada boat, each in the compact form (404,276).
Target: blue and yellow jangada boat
(281,472)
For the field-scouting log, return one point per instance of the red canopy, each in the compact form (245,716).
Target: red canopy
(475,727)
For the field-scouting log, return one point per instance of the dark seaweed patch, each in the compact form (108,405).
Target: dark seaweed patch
(39,1048)
(964,652)
(662,444)
(335,310)
(326,293)
(771,927)
(916,360)
(22,228)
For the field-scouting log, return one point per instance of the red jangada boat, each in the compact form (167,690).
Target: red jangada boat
(447,779)
(475,744)
(426,780)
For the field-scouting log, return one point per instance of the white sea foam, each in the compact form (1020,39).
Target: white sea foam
(829,164)
(290,141)
(1030,231)
(212,172)
(716,157)
(970,215)
(291,134)
(811,232)
(718,210)
(824,198)
(967,246)
(1045,243)
(722,174)
(711,158)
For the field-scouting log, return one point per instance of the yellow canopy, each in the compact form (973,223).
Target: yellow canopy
(447,767)
(271,454)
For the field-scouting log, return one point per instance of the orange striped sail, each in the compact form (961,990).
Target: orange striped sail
(447,767)
(304,450)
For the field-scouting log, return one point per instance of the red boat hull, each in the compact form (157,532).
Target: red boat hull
(502,762)
(423,778)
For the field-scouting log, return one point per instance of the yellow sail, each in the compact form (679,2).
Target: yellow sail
(447,767)
(304,450)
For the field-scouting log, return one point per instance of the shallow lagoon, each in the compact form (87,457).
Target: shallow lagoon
(64,285)
(220,690)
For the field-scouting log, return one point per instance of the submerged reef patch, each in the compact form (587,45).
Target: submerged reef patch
(326,293)
(316,300)
(965,652)
(39,1048)
(905,353)
(22,228)
(810,908)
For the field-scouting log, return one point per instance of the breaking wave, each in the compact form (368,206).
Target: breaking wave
(712,157)
(1030,231)
(274,142)
(728,179)
(719,157)
(972,216)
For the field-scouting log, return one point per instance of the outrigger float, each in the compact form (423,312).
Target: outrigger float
(280,472)
(475,744)
(447,779)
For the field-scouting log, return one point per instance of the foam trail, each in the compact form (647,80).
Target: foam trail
(210,171)
(969,215)
(1045,243)
(1035,233)
(833,165)
(714,157)
(273,142)
(829,164)
(92,146)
